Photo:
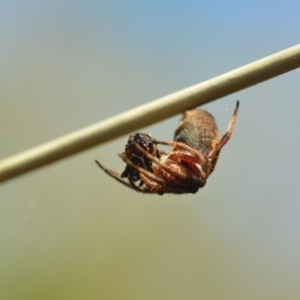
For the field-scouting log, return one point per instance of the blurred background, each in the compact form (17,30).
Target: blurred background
(68,231)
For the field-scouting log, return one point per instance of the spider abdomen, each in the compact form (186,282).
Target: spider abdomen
(198,130)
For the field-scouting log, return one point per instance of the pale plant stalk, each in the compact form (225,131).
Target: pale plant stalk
(152,112)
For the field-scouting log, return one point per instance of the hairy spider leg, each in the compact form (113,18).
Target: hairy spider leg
(159,188)
(116,176)
(112,174)
(160,191)
(183,146)
(154,183)
(177,174)
(226,137)
(188,159)
(143,171)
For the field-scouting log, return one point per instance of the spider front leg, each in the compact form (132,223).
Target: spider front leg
(116,176)
(171,165)
(184,153)
(193,152)
(141,171)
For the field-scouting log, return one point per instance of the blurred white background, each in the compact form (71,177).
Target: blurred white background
(68,231)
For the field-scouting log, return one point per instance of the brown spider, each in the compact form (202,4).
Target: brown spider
(184,169)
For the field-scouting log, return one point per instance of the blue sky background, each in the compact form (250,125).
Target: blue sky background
(68,231)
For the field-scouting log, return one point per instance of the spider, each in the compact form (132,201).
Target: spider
(186,167)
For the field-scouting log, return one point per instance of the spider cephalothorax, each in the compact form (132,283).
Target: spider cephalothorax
(186,167)
(136,157)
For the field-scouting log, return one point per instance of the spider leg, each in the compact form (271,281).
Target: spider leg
(156,187)
(139,188)
(173,172)
(183,146)
(153,183)
(113,174)
(225,138)
(143,171)
(162,189)
(116,176)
